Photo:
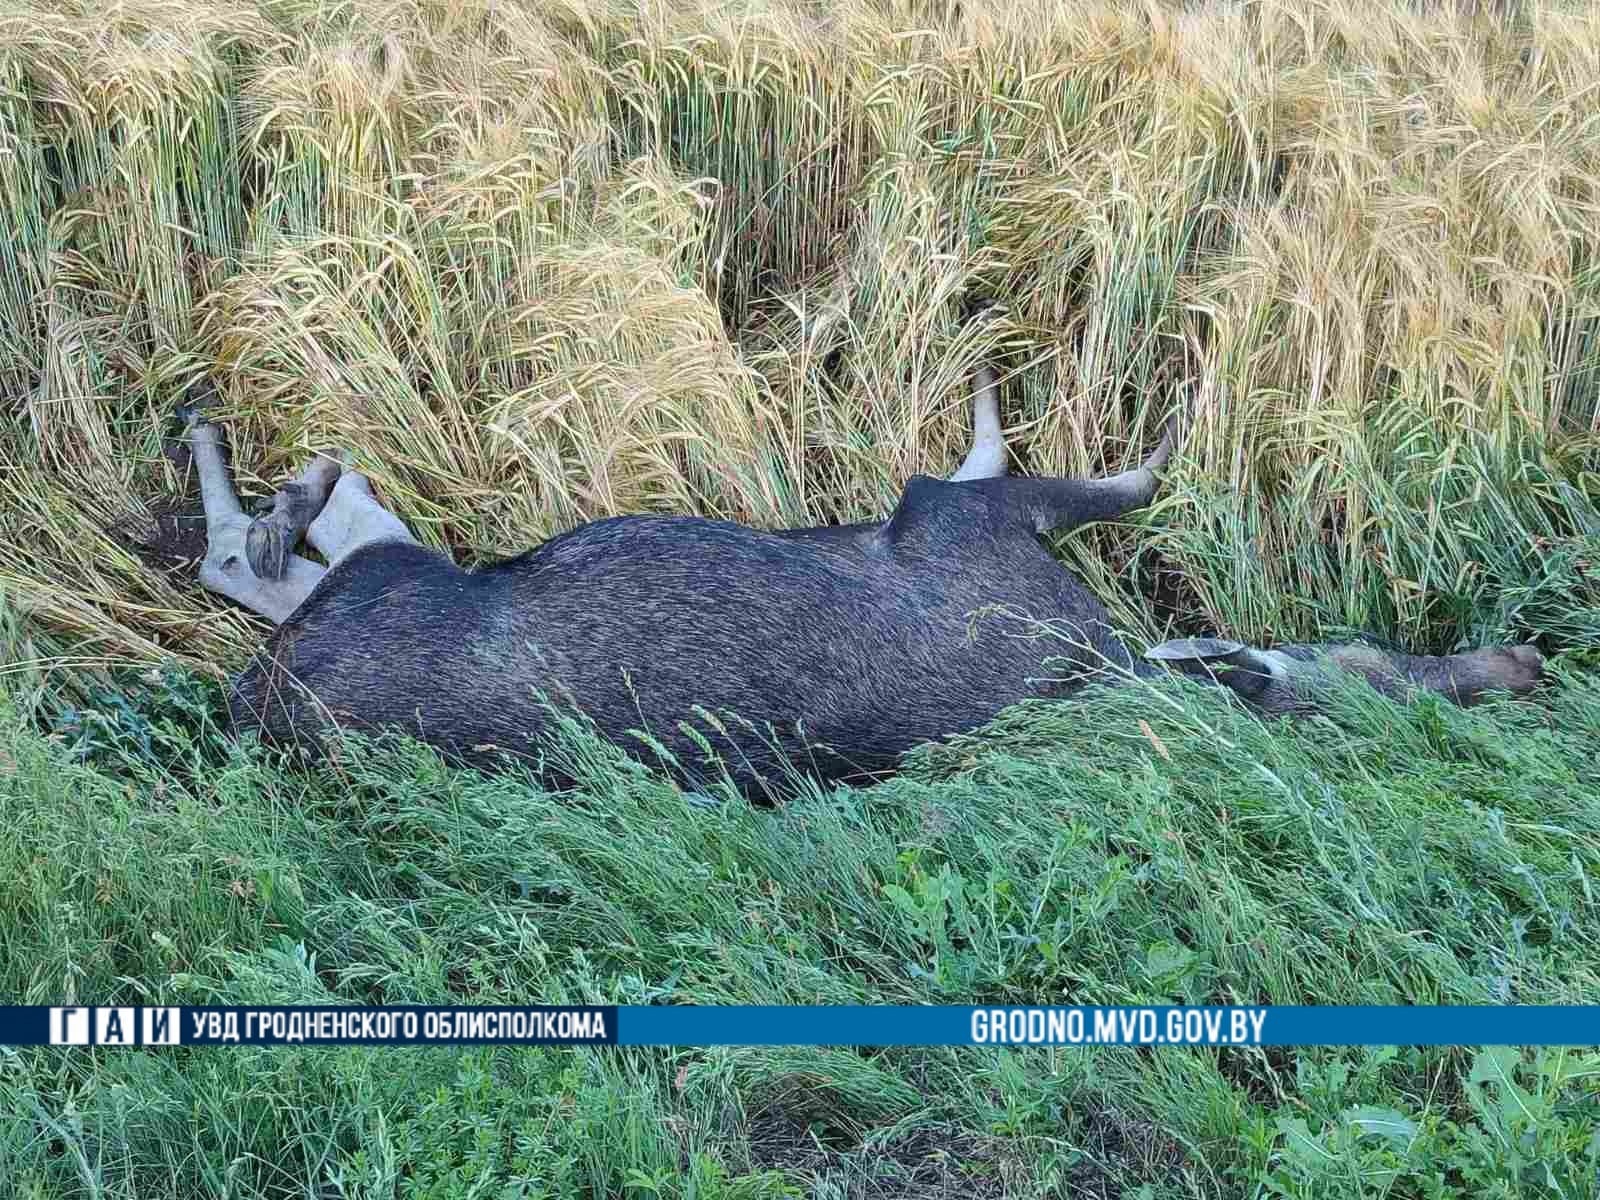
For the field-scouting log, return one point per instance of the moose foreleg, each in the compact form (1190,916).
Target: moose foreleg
(987,458)
(1058,505)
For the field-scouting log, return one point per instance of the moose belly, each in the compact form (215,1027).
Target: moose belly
(720,651)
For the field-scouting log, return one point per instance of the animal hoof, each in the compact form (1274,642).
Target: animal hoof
(200,397)
(266,548)
(191,417)
(977,307)
(1182,650)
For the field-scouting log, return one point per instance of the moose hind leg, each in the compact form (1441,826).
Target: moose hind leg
(226,568)
(353,518)
(272,538)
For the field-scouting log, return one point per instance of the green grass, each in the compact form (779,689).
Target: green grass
(1067,854)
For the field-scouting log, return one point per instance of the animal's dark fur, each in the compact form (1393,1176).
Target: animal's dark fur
(843,647)
(828,652)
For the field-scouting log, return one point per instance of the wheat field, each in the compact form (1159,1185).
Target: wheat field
(535,263)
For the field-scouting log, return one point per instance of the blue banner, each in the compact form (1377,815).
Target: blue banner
(689,1025)
(326,1025)
(1107,1026)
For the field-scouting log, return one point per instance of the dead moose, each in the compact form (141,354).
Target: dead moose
(771,655)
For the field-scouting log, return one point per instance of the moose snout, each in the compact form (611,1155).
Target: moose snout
(1517,669)
(1470,677)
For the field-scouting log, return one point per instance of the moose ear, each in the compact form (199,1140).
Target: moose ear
(1249,673)
(1193,650)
